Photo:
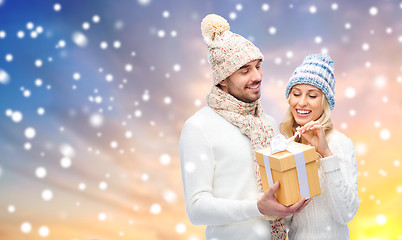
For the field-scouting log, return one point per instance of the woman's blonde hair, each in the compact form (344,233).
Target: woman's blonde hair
(289,125)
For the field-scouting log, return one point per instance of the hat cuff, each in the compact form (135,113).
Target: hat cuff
(314,81)
(235,62)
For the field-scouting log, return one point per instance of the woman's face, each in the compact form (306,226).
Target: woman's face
(305,103)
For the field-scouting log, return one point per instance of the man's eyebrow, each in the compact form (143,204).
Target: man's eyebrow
(248,65)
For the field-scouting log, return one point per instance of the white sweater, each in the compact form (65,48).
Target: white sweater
(327,215)
(218,178)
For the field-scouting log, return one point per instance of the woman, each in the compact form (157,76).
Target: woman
(310,93)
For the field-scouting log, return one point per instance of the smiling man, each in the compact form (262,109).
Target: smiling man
(221,178)
(245,83)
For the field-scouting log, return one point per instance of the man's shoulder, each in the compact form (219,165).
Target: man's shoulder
(204,116)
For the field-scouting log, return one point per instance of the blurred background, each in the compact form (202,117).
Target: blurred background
(93,96)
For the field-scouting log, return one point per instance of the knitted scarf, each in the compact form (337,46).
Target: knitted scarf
(250,119)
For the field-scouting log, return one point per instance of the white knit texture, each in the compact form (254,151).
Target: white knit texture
(218,178)
(228,51)
(327,215)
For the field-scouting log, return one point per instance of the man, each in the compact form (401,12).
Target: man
(221,177)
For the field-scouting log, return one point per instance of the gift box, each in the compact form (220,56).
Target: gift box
(294,168)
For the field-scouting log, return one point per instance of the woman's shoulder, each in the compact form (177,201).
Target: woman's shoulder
(339,139)
(335,134)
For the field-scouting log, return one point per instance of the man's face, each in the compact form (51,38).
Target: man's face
(245,83)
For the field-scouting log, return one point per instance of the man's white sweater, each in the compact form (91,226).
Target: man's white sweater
(218,177)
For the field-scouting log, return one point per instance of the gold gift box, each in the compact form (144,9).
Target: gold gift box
(283,169)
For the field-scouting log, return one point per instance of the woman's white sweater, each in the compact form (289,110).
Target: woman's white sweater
(327,215)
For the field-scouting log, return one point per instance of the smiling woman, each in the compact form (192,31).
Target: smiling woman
(310,93)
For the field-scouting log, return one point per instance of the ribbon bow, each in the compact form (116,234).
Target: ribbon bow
(279,143)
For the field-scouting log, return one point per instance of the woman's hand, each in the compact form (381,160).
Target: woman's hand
(314,133)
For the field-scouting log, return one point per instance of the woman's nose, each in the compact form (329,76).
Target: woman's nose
(302,101)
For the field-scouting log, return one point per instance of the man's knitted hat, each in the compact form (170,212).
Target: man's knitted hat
(227,51)
(316,70)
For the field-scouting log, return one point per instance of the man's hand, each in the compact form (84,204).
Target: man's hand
(268,205)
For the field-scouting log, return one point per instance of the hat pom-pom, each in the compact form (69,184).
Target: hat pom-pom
(320,57)
(213,25)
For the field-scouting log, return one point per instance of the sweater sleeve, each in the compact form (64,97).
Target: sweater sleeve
(341,180)
(197,169)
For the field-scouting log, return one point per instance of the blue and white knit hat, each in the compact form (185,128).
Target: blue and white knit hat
(316,70)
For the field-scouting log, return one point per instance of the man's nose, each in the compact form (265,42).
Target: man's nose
(256,75)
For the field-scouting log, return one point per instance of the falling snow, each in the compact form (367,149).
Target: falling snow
(65,162)
(79,39)
(40,172)
(265,7)
(180,228)
(165,159)
(381,219)
(169,196)
(44,231)
(373,11)
(16,116)
(82,186)
(103,185)
(4,77)
(232,16)
(272,30)
(30,133)
(47,195)
(9,58)
(155,209)
(385,134)
(11,209)
(365,46)
(313,9)
(26,227)
(350,92)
